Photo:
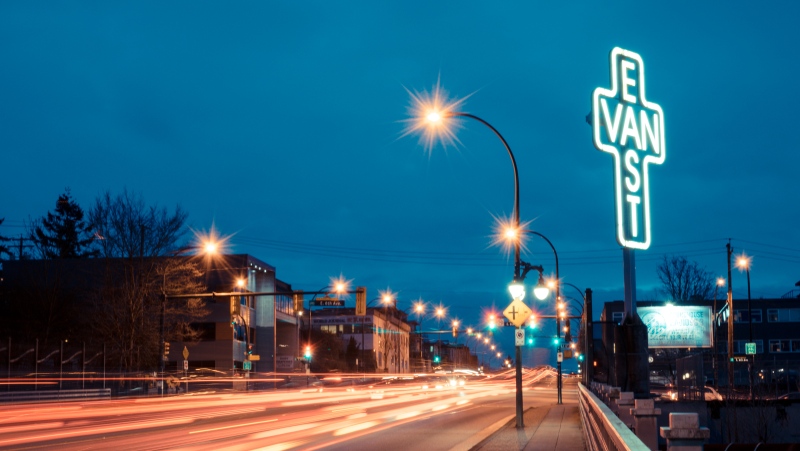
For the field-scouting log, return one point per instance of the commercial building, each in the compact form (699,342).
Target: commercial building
(244,327)
(774,329)
(113,307)
(381,337)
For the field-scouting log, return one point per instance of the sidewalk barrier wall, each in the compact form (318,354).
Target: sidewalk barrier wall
(602,429)
(56,395)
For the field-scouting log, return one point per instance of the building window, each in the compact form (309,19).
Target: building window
(783,315)
(740,316)
(617,317)
(784,345)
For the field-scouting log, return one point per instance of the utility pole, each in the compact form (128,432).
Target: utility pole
(730,320)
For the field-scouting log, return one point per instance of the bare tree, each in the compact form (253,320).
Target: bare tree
(3,248)
(131,235)
(684,280)
(126,227)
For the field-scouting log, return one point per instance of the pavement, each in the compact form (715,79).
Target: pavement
(547,428)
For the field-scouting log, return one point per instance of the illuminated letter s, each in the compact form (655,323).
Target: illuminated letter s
(633,181)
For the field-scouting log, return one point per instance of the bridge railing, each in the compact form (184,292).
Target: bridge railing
(602,429)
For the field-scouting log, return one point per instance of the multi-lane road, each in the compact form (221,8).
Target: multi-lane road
(426,413)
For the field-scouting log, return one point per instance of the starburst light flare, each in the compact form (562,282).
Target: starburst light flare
(387,296)
(340,285)
(211,243)
(507,234)
(432,116)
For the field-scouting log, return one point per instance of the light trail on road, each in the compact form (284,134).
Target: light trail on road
(307,419)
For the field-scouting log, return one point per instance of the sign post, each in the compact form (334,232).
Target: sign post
(186,366)
(519,337)
(630,128)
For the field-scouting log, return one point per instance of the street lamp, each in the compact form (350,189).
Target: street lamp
(440,313)
(516,236)
(389,297)
(743,262)
(433,116)
(210,248)
(720,283)
(419,309)
(338,286)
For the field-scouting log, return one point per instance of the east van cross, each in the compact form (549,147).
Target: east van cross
(630,128)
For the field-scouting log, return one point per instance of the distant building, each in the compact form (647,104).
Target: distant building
(52,301)
(775,332)
(382,336)
(264,325)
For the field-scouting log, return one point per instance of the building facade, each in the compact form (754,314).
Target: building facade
(382,336)
(773,325)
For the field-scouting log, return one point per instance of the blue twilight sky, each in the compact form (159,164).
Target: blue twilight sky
(280,123)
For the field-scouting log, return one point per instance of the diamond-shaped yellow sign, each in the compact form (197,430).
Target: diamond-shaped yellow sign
(517,312)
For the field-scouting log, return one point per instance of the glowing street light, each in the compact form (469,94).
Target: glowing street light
(432,114)
(210,248)
(339,285)
(743,262)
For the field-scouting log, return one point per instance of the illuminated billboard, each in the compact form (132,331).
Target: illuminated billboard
(677,326)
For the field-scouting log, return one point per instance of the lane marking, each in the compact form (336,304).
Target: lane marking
(233,426)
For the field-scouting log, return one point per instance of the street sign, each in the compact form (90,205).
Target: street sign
(519,337)
(328,302)
(750,348)
(246,365)
(517,312)
(560,357)
(185,353)
(255,357)
(185,365)
(740,358)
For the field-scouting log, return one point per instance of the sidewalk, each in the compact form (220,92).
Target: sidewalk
(553,427)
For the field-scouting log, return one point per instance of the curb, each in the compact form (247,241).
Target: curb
(482,435)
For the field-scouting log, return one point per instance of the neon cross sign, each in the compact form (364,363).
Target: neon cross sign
(631,129)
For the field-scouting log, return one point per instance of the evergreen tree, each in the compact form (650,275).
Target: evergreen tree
(63,233)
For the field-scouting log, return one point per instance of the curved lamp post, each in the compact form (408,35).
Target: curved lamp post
(743,262)
(435,118)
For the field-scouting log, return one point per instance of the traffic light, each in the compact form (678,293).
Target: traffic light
(567,335)
(436,359)
(307,354)
(492,323)
(249,350)
(361,301)
(166,350)
(297,297)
